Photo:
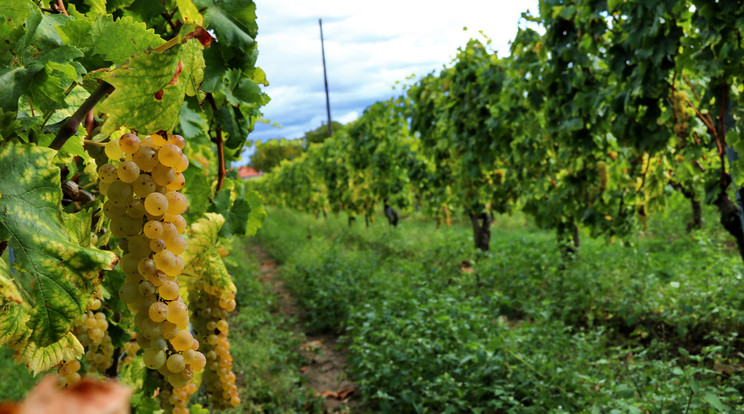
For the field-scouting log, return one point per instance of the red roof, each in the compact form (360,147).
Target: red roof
(247,171)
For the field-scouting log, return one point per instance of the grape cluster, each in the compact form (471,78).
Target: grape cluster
(69,371)
(92,332)
(130,349)
(681,114)
(145,209)
(604,175)
(175,400)
(211,307)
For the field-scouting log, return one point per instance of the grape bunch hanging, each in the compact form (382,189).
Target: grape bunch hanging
(141,182)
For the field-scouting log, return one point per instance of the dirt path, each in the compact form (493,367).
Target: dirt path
(326,369)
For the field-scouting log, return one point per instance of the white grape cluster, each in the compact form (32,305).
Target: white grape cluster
(210,309)
(682,114)
(69,371)
(92,332)
(175,400)
(141,183)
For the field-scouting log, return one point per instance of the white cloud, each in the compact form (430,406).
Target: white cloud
(369,46)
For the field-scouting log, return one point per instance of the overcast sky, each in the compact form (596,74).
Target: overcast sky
(369,45)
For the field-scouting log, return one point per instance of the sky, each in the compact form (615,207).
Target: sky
(369,46)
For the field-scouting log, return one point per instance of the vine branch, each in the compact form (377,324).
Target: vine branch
(60,7)
(71,124)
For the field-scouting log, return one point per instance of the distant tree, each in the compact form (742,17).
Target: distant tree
(271,153)
(320,133)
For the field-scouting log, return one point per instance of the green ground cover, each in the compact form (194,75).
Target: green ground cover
(650,324)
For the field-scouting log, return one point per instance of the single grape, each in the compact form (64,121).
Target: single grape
(158,311)
(107,173)
(136,208)
(178,182)
(169,329)
(177,203)
(144,185)
(146,158)
(177,140)
(113,151)
(163,175)
(128,171)
(153,229)
(168,290)
(154,358)
(182,164)
(169,155)
(129,143)
(177,245)
(159,140)
(176,363)
(164,259)
(177,220)
(157,245)
(120,193)
(182,341)
(94,304)
(146,267)
(156,204)
(169,231)
(178,314)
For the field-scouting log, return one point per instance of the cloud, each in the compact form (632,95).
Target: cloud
(369,47)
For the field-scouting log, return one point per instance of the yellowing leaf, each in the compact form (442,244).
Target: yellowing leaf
(189,12)
(52,268)
(150,88)
(202,257)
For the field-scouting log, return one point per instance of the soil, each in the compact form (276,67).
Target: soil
(325,372)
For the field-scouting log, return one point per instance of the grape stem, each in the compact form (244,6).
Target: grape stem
(71,124)
(221,171)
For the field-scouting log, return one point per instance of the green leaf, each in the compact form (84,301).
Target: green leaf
(8,124)
(198,409)
(96,6)
(714,402)
(202,258)
(193,124)
(49,258)
(257,214)
(134,103)
(233,21)
(107,36)
(196,192)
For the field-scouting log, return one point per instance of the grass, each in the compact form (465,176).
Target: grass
(263,349)
(647,324)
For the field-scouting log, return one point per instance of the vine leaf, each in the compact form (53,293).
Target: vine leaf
(14,333)
(233,22)
(8,289)
(202,257)
(102,37)
(243,216)
(145,99)
(42,68)
(51,264)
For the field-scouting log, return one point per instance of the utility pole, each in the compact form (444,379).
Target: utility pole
(325,78)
